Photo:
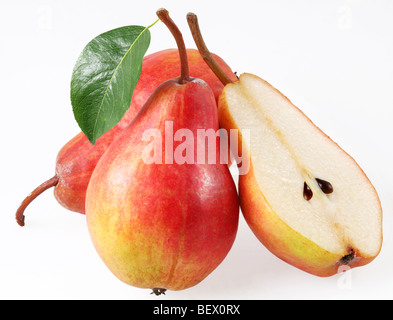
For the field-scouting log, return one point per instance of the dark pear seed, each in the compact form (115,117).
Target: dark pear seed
(325,186)
(307,192)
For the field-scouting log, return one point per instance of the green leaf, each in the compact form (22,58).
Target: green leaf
(105,76)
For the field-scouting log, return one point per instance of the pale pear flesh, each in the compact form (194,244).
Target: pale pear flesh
(288,151)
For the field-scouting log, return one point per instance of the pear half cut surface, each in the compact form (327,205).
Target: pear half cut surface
(304,197)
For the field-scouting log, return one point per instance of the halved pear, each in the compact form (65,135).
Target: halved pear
(304,197)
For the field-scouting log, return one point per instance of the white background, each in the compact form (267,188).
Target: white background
(333,59)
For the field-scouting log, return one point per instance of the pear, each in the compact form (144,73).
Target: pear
(164,225)
(77,159)
(304,198)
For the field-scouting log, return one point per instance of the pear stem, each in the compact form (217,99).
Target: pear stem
(163,14)
(192,20)
(20,218)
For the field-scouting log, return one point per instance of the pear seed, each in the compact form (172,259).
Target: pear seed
(325,186)
(307,192)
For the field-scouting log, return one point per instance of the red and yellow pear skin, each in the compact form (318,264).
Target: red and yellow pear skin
(77,159)
(163,225)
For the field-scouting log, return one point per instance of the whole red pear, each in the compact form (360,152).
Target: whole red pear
(164,225)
